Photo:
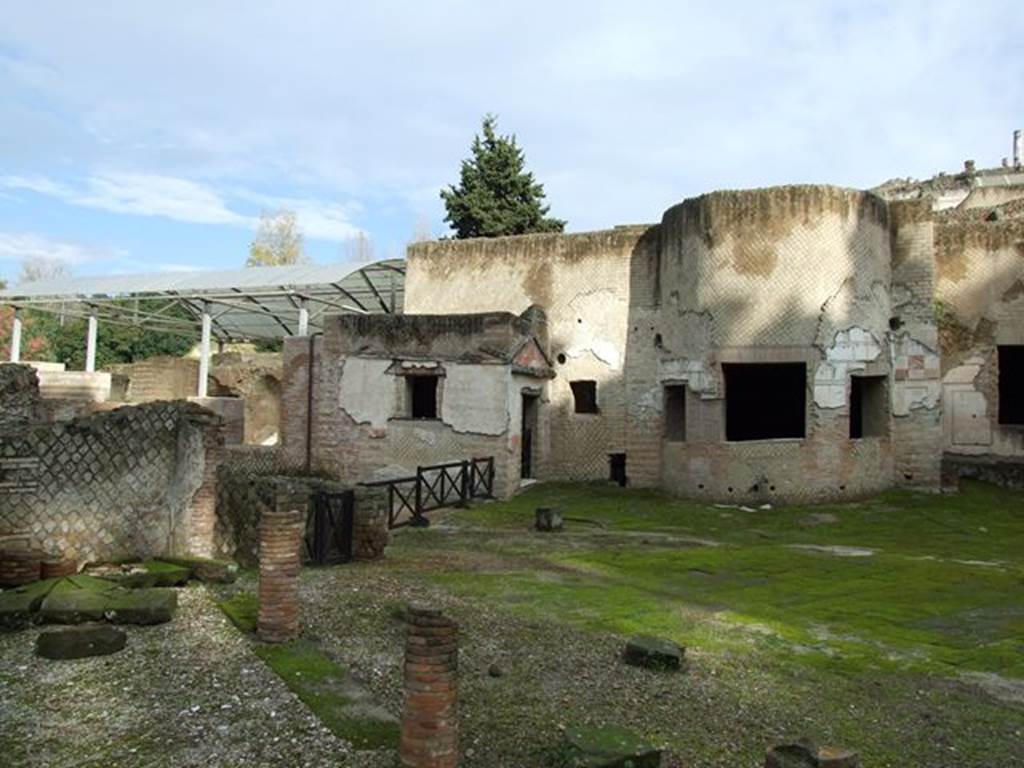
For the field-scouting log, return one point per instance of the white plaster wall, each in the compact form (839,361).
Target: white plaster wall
(366,392)
(475,398)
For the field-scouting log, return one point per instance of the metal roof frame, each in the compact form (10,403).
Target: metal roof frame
(256,303)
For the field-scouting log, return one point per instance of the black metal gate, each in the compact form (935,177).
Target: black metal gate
(329,528)
(442,485)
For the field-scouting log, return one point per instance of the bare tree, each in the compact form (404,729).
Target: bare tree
(278,240)
(358,249)
(35,269)
(422,232)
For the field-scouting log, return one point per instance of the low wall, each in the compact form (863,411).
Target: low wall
(243,496)
(998,470)
(133,482)
(19,396)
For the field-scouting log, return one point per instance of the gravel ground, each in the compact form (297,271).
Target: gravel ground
(187,693)
(191,693)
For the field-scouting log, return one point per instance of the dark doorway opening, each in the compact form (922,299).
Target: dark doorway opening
(617,469)
(765,401)
(675,413)
(422,392)
(868,414)
(1011,384)
(530,404)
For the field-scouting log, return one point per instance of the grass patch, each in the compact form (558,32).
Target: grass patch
(242,609)
(941,594)
(320,683)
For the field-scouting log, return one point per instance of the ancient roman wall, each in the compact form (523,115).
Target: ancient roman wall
(790,274)
(136,481)
(979,262)
(595,288)
(362,429)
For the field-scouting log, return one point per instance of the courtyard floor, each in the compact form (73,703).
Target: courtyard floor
(894,626)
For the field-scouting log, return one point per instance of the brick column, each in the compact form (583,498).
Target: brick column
(280,561)
(429,717)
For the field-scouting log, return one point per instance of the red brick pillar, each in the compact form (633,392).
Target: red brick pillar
(429,718)
(280,561)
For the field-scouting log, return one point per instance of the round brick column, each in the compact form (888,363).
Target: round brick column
(280,561)
(429,714)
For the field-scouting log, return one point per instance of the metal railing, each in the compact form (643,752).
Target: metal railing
(437,486)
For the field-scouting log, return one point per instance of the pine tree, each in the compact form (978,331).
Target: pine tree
(496,196)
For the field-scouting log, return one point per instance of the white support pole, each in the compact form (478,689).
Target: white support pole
(204,353)
(90,345)
(16,337)
(303,319)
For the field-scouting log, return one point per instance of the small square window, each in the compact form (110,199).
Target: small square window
(421,395)
(584,394)
(675,413)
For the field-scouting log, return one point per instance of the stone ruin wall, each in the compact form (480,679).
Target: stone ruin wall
(254,377)
(251,480)
(791,274)
(797,274)
(980,297)
(134,482)
(358,432)
(594,288)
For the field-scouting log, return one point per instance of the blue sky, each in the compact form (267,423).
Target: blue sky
(139,136)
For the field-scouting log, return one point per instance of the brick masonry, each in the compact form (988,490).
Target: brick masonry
(137,481)
(249,484)
(280,535)
(429,734)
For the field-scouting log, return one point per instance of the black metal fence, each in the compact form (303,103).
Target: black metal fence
(329,528)
(441,485)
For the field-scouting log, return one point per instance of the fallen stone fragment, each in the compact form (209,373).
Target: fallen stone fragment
(548,519)
(653,653)
(836,757)
(142,606)
(805,754)
(216,571)
(608,747)
(78,599)
(80,642)
(801,754)
(18,605)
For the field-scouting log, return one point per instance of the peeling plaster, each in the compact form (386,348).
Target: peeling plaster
(602,349)
(852,349)
(475,399)
(695,373)
(361,394)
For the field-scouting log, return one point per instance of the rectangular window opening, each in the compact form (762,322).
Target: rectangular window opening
(675,413)
(765,401)
(1011,384)
(421,394)
(584,394)
(868,412)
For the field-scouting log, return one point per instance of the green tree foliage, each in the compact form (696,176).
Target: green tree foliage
(65,343)
(496,196)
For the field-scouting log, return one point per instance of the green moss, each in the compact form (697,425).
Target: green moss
(941,594)
(242,609)
(320,683)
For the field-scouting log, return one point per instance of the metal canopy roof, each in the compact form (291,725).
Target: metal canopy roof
(244,304)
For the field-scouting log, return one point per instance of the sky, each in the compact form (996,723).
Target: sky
(144,136)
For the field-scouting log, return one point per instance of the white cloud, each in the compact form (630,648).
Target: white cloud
(188,201)
(153,195)
(19,246)
(622,108)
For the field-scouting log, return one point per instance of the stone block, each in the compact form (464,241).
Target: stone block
(653,653)
(608,747)
(80,642)
(548,519)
